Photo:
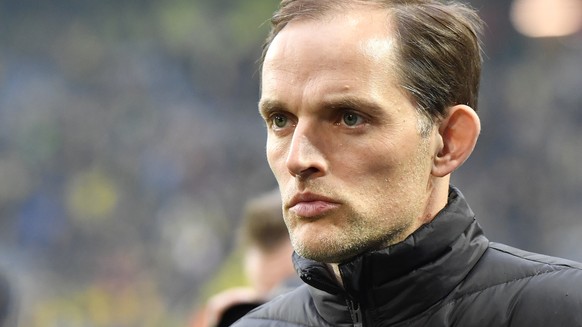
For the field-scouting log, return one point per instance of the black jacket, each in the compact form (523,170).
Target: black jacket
(444,274)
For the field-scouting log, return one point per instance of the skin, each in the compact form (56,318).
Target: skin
(266,270)
(343,140)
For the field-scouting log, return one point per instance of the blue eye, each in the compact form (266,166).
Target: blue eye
(351,119)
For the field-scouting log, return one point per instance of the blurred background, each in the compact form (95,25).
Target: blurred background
(130,140)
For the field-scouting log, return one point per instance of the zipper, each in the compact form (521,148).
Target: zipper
(355,312)
(353,305)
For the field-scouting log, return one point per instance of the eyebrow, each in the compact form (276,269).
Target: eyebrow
(348,101)
(267,106)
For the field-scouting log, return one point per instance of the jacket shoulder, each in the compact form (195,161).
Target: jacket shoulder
(517,254)
(503,266)
(520,288)
(292,309)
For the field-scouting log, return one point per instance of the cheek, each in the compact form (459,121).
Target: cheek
(371,161)
(382,168)
(276,154)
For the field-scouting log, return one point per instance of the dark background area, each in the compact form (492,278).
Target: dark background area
(130,139)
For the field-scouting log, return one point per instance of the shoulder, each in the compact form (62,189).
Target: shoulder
(502,264)
(512,265)
(292,309)
(523,288)
(507,267)
(543,278)
(518,254)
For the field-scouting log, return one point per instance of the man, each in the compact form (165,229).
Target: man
(267,267)
(370,106)
(268,249)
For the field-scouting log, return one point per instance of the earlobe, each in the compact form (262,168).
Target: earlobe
(459,132)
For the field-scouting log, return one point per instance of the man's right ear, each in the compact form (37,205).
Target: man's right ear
(459,132)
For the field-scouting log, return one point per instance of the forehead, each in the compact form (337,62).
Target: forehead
(311,62)
(356,37)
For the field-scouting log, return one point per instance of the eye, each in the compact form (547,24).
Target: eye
(351,119)
(279,120)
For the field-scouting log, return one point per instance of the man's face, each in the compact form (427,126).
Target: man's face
(343,139)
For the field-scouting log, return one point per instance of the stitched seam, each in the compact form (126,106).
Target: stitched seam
(494,247)
(500,284)
(270,319)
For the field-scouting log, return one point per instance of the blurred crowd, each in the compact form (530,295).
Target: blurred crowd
(129,143)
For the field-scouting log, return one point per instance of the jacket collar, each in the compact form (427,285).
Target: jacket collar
(404,279)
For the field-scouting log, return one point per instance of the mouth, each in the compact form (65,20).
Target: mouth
(310,205)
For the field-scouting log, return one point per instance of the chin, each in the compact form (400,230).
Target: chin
(323,253)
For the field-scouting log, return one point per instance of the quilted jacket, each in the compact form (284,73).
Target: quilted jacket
(446,273)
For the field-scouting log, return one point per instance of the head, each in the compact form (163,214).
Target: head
(266,242)
(370,105)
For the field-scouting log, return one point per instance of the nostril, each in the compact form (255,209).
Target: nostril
(306,173)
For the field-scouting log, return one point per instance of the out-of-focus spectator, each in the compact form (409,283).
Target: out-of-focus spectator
(267,264)
(8,303)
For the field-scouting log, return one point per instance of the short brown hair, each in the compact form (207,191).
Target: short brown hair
(438,47)
(263,225)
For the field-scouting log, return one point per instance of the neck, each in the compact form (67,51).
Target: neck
(437,200)
(334,267)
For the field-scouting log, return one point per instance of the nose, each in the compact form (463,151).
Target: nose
(306,158)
